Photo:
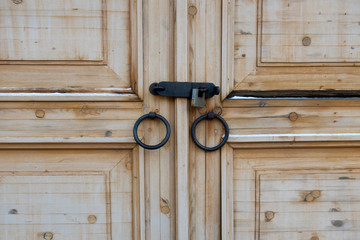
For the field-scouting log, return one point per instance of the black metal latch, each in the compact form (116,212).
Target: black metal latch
(195,91)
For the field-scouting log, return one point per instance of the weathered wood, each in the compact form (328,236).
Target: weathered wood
(159,164)
(65,30)
(197,160)
(70,193)
(66,47)
(227,44)
(227,208)
(181,123)
(279,180)
(328,26)
(291,46)
(68,122)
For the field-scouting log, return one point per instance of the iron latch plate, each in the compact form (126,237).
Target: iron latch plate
(184,89)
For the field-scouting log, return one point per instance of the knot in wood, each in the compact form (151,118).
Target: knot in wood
(128,165)
(312,196)
(92,219)
(17,1)
(218,110)
(48,236)
(165,209)
(306,41)
(293,116)
(269,215)
(13,211)
(192,10)
(40,113)
(337,223)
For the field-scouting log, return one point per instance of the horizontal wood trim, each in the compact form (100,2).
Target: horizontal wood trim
(62,122)
(67,140)
(288,102)
(67,146)
(295,137)
(102,97)
(296,94)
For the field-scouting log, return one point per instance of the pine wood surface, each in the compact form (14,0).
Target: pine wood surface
(82,193)
(66,118)
(71,47)
(290,46)
(280,181)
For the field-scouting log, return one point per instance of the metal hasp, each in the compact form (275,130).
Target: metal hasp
(186,90)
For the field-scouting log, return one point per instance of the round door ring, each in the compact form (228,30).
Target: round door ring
(210,116)
(151,115)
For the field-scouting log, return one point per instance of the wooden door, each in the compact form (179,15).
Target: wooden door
(291,164)
(74,78)
(71,84)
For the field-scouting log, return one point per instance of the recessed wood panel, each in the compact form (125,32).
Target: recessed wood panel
(51,30)
(89,48)
(80,194)
(274,48)
(310,31)
(305,205)
(57,204)
(295,193)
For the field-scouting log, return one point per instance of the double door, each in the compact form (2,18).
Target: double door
(74,78)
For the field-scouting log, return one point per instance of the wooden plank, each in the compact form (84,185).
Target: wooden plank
(136,14)
(67,160)
(52,77)
(181,121)
(159,165)
(63,122)
(138,193)
(227,82)
(245,27)
(122,207)
(290,102)
(213,129)
(258,124)
(308,235)
(167,202)
(227,204)
(117,38)
(197,11)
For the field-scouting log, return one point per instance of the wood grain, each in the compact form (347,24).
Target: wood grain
(57,122)
(68,193)
(182,122)
(66,47)
(51,30)
(330,25)
(278,180)
(270,54)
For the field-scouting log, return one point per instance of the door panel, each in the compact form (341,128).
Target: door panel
(316,204)
(276,48)
(295,193)
(70,47)
(81,194)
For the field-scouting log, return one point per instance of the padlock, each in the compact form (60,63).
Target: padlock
(198,98)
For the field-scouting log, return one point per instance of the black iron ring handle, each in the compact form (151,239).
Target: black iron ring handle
(151,115)
(210,115)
